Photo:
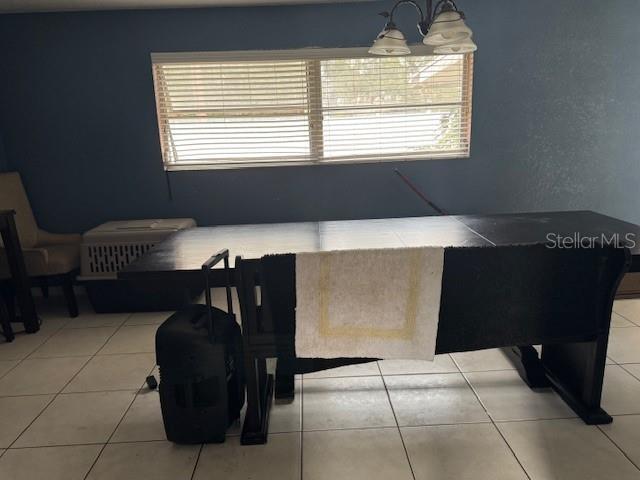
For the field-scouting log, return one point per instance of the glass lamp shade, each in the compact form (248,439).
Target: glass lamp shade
(464,46)
(390,41)
(448,27)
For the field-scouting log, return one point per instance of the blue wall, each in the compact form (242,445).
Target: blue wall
(4,164)
(556,115)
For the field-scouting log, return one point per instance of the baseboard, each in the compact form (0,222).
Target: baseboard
(630,286)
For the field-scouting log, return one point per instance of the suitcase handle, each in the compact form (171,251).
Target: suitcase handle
(206,267)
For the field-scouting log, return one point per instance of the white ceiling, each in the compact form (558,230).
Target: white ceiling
(7,6)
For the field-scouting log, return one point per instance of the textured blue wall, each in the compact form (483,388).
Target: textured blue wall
(4,165)
(556,115)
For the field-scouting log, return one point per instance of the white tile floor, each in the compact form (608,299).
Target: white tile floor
(73,406)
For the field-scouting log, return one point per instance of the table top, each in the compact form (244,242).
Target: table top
(186,250)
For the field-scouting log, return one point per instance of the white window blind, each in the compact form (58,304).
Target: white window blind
(310,106)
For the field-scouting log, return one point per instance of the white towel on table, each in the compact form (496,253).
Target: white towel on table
(368,303)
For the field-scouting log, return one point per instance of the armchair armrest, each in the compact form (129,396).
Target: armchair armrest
(35,253)
(27,251)
(46,238)
(35,259)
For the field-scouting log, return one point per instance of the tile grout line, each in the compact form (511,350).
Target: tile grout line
(414,374)
(20,360)
(393,411)
(618,447)
(56,445)
(119,442)
(626,415)
(52,398)
(195,465)
(55,396)
(96,354)
(115,429)
(626,318)
(630,373)
(91,357)
(68,356)
(135,397)
(504,439)
(407,374)
(386,427)
(133,389)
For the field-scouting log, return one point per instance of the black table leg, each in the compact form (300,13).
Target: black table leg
(19,275)
(5,320)
(576,372)
(259,397)
(525,359)
(285,379)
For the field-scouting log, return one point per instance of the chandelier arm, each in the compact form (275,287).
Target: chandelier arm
(409,2)
(445,3)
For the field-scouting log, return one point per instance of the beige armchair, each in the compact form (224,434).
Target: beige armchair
(51,259)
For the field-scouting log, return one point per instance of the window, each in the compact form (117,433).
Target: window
(310,106)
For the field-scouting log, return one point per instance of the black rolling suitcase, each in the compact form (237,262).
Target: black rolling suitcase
(199,353)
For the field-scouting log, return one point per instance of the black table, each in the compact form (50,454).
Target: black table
(180,256)
(578,378)
(19,276)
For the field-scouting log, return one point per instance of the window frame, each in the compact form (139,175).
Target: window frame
(313,56)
